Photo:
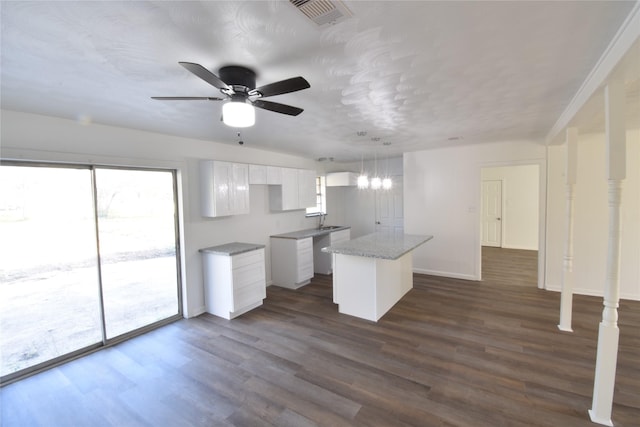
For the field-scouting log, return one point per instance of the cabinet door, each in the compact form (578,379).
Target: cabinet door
(290,189)
(274,175)
(257,174)
(240,197)
(306,188)
(222,187)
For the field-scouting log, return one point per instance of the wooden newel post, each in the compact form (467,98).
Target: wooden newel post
(608,333)
(566,297)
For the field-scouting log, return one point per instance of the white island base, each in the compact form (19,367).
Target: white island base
(368,287)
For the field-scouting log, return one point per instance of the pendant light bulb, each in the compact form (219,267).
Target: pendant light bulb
(363,179)
(363,182)
(376,183)
(387,183)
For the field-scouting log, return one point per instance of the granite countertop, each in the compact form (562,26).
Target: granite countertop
(310,232)
(379,245)
(233,248)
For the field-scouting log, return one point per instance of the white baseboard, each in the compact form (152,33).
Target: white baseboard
(445,274)
(524,248)
(591,292)
(630,297)
(196,312)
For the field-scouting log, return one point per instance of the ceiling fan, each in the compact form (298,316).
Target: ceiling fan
(238,84)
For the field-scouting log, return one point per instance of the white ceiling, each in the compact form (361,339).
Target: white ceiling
(416,74)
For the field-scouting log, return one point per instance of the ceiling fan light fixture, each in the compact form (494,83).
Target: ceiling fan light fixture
(238,114)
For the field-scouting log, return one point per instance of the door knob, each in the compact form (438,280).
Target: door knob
(377,222)
(498,219)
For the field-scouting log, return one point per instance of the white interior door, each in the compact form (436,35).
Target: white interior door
(492,213)
(389,208)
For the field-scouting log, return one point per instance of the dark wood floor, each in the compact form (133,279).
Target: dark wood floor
(451,353)
(514,267)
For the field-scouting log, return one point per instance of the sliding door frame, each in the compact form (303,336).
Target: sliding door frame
(64,358)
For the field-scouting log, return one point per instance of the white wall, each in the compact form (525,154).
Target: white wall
(40,138)
(442,198)
(591,218)
(520,194)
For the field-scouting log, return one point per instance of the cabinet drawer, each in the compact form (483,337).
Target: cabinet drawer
(305,256)
(305,272)
(248,295)
(248,274)
(305,264)
(247,258)
(302,244)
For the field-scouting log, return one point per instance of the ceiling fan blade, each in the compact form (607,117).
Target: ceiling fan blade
(205,75)
(284,86)
(278,108)
(186,98)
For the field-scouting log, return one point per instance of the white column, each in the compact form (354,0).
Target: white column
(566,297)
(607,356)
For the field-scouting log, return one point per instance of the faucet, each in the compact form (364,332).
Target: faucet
(321,220)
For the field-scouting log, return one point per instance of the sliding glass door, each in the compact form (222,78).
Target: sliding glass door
(137,237)
(49,302)
(87,254)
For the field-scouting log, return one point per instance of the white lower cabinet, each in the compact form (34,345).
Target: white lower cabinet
(291,261)
(234,284)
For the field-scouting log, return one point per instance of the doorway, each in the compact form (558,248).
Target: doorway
(87,257)
(510,221)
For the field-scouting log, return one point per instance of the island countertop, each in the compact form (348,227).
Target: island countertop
(379,245)
(233,248)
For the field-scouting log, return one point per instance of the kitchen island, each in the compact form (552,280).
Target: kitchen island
(371,273)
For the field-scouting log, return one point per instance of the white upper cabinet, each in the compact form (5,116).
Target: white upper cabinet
(289,189)
(240,197)
(297,191)
(257,174)
(342,179)
(306,188)
(274,175)
(224,188)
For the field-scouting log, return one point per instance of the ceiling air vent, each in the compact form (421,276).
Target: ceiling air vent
(323,12)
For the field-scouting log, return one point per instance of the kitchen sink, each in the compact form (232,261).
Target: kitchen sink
(330,227)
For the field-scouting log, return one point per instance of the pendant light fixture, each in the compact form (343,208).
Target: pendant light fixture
(363,179)
(376,182)
(387,183)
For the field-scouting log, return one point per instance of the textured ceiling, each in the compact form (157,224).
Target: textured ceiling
(416,74)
